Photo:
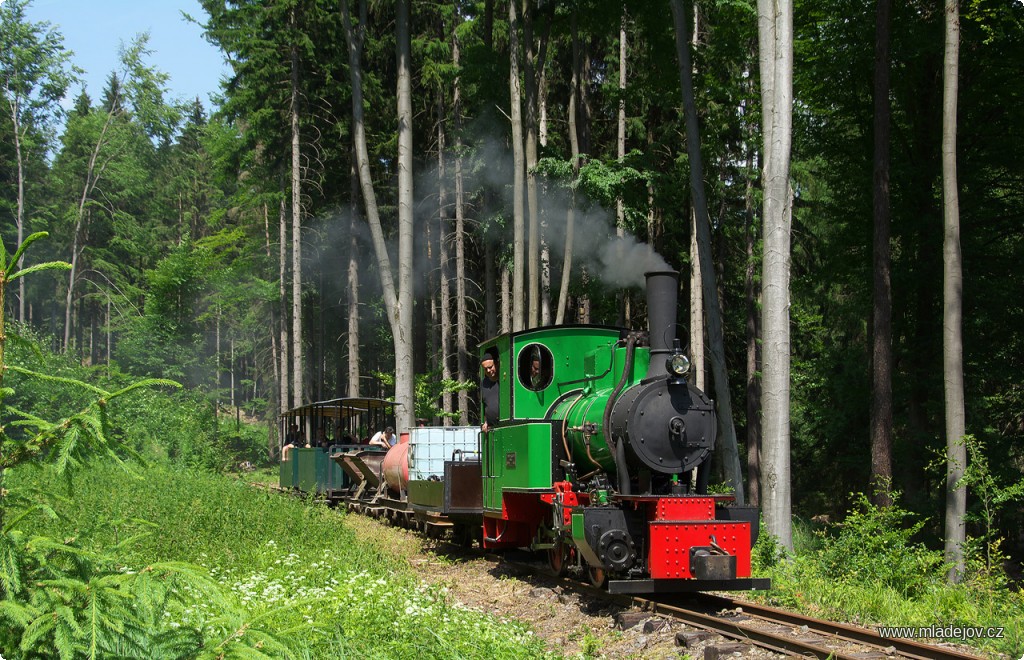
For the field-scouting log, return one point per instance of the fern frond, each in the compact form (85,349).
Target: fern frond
(26,417)
(39,507)
(241,636)
(17,613)
(42,544)
(68,442)
(64,586)
(177,643)
(39,627)
(64,632)
(94,426)
(10,565)
(58,379)
(29,240)
(35,268)
(148,382)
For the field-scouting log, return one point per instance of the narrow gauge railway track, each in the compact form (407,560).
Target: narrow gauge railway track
(832,630)
(767,627)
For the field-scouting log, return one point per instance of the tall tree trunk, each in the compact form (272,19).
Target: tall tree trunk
(696,281)
(275,351)
(405,381)
(402,335)
(775,36)
(353,283)
(427,322)
(109,335)
(881,313)
(461,314)
(574,146)
(283,295)
(506,300)
(217,369)
(727,430)
(653,230)
(753,334)
(491,321)
(444,231)
(696,306)
(545,246)
(952,307)
(19,218)
(620,150)
(231,373)
(298,367)
(530,150)
(93,172)
(536,54)
(519,172)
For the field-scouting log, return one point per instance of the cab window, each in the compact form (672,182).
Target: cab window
(535,367)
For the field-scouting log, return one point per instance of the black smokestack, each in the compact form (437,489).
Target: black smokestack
(662,293)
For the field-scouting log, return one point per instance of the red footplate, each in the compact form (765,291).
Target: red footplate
(671,541)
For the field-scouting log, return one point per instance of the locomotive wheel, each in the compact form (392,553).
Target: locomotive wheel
(558,559)
(597,576)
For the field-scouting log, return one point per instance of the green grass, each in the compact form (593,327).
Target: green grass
(286,566)
(869,571)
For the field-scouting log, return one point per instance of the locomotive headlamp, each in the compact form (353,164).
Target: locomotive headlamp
(678,365)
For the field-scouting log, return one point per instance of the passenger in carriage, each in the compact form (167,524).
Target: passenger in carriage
(385,439)
(322,441)
(291,440)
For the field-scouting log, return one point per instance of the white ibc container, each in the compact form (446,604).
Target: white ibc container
(431,446)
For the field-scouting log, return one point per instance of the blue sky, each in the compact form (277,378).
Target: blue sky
(95,30)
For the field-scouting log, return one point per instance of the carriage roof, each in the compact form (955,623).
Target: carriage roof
(341,408)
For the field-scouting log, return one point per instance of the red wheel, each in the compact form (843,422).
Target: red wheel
(558,559)
(597,576)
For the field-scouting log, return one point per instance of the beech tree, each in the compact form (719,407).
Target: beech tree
(398,299)
(519,256)
(298,370)
(881,316)
(775,36)
(952,303)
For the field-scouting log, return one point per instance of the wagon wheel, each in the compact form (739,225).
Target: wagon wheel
(558,559)
(597,576)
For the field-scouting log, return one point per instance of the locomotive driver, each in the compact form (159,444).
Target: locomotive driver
(489,392)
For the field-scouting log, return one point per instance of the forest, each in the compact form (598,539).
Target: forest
(382,186)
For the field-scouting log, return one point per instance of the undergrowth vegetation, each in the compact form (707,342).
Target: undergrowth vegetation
(102,557)
(160,424)
(227,569)
(868,569)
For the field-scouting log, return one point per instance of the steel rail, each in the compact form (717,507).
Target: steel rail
(905,647)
